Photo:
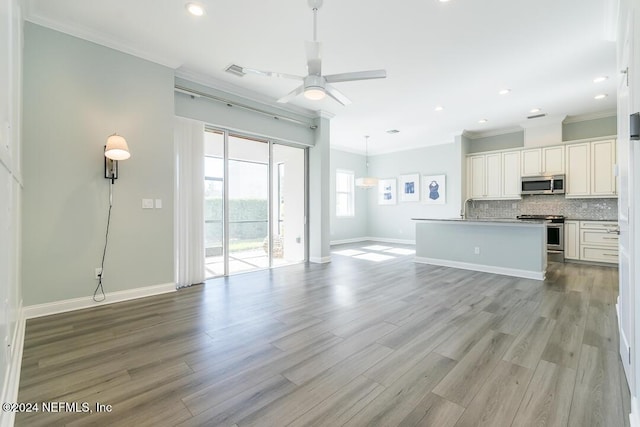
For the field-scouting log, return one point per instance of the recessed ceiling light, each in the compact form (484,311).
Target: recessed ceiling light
(439,108)
(600,79)
(443,1)
(504,91)
(195,9)
(482,121)
(600,96)
(534,110)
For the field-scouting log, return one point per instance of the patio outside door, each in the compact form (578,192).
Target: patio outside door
(255,204)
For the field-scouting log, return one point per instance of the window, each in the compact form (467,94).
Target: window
(345,193)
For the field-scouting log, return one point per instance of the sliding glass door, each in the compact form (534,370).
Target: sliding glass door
(248,204)
(214,249)
(255,203)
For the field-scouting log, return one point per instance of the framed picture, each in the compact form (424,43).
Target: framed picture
(410,188)
(434,189)
(387,192)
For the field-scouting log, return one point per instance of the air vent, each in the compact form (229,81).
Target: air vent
(392,131)
(537,116)
(236,70)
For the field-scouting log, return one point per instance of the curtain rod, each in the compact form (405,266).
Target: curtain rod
(199,94)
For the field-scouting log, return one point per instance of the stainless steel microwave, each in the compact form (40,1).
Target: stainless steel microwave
(552,184)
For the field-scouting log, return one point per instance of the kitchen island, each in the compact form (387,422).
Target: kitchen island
(502,246)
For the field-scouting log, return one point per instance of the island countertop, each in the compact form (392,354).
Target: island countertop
(481,221)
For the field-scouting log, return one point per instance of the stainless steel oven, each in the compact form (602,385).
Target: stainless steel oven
(555,234)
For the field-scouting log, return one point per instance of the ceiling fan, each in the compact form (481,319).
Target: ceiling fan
(315,86)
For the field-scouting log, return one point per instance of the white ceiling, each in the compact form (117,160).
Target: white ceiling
(457,54)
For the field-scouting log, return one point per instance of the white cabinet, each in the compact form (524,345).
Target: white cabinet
(571,240)
(603,161)
(543,161)
(597,241)
(494,175)
(577,181)
(477,176)
(590,169)
(493,171)
(511,175)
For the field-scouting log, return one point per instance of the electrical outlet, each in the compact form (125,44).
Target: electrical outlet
(476,250)
(98,272)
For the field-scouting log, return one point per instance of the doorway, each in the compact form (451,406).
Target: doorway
(255,203)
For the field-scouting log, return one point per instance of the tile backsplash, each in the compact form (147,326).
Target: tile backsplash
(594,209)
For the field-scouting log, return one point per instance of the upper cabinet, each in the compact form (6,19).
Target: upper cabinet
(591,169)
(543,161)
(494,176)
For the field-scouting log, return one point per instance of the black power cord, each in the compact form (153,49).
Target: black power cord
(100,288)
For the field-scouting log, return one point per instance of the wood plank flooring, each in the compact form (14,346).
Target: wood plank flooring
(353,342)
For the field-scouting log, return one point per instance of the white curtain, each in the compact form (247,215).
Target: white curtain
(189,229)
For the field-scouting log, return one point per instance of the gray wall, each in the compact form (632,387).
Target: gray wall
(595,128)
(349,228)
(572,131)
(394,221)
(76,94)
(497,142)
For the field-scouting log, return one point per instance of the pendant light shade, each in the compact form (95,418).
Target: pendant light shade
(367,181)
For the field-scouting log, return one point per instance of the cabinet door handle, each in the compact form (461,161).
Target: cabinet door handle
(610,255)
(614,231)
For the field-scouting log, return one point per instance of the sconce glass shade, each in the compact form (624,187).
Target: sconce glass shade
(117,148)
(367,182)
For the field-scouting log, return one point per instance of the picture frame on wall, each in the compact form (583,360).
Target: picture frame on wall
(434,189)
(387,192)
(409,187)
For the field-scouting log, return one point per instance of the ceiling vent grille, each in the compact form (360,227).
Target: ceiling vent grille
(537,116)
(236,70)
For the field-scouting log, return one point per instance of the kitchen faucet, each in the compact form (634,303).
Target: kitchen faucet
(463,212)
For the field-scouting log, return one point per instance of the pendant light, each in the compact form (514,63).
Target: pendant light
(367,181)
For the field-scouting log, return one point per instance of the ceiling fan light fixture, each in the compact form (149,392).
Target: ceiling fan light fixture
(314,93)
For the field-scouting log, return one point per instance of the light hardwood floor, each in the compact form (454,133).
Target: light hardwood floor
(353,342)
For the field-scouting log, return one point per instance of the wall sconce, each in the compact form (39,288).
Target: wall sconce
(116,149)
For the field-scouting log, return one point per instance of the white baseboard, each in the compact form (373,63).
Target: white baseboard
(526,274)
(320,260)
(634,416)
(56,307)
(387,240)
(344,241)
(373,239)
(12,375)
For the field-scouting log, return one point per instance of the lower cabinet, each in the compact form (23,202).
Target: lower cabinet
(591,241)
(572,239)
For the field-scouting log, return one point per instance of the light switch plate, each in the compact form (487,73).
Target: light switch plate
(147,203)
(158,203)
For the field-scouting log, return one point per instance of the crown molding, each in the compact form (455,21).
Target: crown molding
(100,39)
(591,116)
(489,133)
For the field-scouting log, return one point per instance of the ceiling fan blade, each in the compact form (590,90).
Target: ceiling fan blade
(270,74)
(337,95)
(288,97)
(314,63)
(358,75)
